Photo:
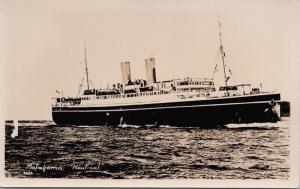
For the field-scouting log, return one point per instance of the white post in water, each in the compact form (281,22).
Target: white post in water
(15,130)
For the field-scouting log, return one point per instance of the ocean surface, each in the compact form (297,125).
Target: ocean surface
(247,151)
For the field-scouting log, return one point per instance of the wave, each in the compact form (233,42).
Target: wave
(236,145)
(252,126)
(141,156)
(212,166)
(260,167)
(166,126)
(86,126)
(130,126)
(254,157)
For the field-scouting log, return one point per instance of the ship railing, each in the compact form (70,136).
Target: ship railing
(195,95)
(149,93)
(194,79)
(234,93)
(128,95)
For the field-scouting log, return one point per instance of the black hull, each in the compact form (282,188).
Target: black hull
(201,113)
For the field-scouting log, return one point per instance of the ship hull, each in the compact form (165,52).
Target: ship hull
(198,113)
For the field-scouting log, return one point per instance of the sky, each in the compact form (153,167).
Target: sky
(41,45)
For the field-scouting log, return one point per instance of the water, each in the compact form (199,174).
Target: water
(45,150)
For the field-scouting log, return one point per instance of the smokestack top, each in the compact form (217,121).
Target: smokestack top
(150,59)
(125,62)
(125,69)
(150,70)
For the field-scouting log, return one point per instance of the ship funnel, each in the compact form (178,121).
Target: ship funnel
(150,70)
(125,69)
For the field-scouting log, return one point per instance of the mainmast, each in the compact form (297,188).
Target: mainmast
(222,54)
(86,68)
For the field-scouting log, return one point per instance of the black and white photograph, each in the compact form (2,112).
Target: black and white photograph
(151,93)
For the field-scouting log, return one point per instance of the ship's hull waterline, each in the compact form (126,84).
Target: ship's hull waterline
(198,113)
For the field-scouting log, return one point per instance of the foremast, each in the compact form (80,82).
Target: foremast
(86,68)
(222,54)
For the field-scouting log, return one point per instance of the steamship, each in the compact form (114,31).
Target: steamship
(177,102)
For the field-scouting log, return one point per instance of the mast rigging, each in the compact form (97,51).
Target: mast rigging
(86,68)
(222,54)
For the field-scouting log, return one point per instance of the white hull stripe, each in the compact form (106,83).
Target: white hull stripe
(170,107)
